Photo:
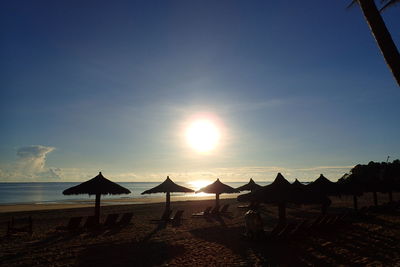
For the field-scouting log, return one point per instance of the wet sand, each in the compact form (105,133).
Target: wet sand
(372,239)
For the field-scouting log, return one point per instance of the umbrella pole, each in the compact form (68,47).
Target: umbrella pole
(282,212)
(216,201)
(168,201)
(97,208)
(355,202)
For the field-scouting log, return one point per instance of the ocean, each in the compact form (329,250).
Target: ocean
(47,193)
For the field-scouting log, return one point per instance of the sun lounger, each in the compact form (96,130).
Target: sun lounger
(126,218)
(111,220)
(20,225)
(224,208)
(176,220)
(206,212)
(275,231)
(284,233)
(299,228)
(90,222)
(215,210)
(72,225)
(315,223)
(165,216)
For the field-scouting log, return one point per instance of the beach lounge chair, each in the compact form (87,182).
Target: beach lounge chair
(176,220)
(126,218)
(206,212)
(20,225)
(72,225)
(275,231)
(215,210)
(286,231)
(165,216)
(299,229)
(111,220)
(224,208)
(315,223)
(90,222)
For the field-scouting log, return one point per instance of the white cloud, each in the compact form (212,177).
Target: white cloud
(30,165)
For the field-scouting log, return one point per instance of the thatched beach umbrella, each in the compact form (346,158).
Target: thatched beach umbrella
(218,188)
(168,186)
(325,186)
(351,186)
(297,184)
(278,192)
(250,186)
(281,192)
(97,186)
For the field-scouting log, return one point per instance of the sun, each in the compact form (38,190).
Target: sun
(203,135)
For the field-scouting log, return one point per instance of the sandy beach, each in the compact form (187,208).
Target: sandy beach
(371,239)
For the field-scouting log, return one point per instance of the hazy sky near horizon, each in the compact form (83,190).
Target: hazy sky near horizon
(88,86)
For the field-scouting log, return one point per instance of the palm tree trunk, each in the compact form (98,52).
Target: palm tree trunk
(382,36)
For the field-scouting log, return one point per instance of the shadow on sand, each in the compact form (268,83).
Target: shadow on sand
(136,253)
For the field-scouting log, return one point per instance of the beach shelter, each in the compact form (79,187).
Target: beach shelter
(97,186)
(168,187)
(250,186)
(281,192)
(218,188)
(297,184)
(351,186)
(325,186)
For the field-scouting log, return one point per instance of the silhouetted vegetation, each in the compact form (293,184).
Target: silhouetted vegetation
(373,177)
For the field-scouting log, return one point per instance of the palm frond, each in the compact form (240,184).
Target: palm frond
(353,2)
(388,4)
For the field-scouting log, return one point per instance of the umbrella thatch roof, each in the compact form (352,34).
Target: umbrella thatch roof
(323,185)
(281,191)
(250,186)
(297,184)
(97,185)
(218,188)
(168,186)
(278,191)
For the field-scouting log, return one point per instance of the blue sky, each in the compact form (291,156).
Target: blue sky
(95,85)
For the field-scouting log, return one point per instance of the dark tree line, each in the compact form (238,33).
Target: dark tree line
(373,177)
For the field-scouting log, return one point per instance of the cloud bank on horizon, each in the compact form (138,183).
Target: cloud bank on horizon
(30,166)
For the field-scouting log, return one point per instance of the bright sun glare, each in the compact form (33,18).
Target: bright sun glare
(202,135)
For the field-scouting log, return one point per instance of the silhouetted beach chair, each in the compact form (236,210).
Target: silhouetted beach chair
(90,222)
(20,225)
(206,212)
(224,208)
(176,220)
(126,218)
(285,231)
(275,231)
(299,229)
(315,223)
(111,220)
(165,216)
(215,210)
(72,225)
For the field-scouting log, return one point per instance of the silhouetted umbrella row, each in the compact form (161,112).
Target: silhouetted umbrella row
(281,192)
